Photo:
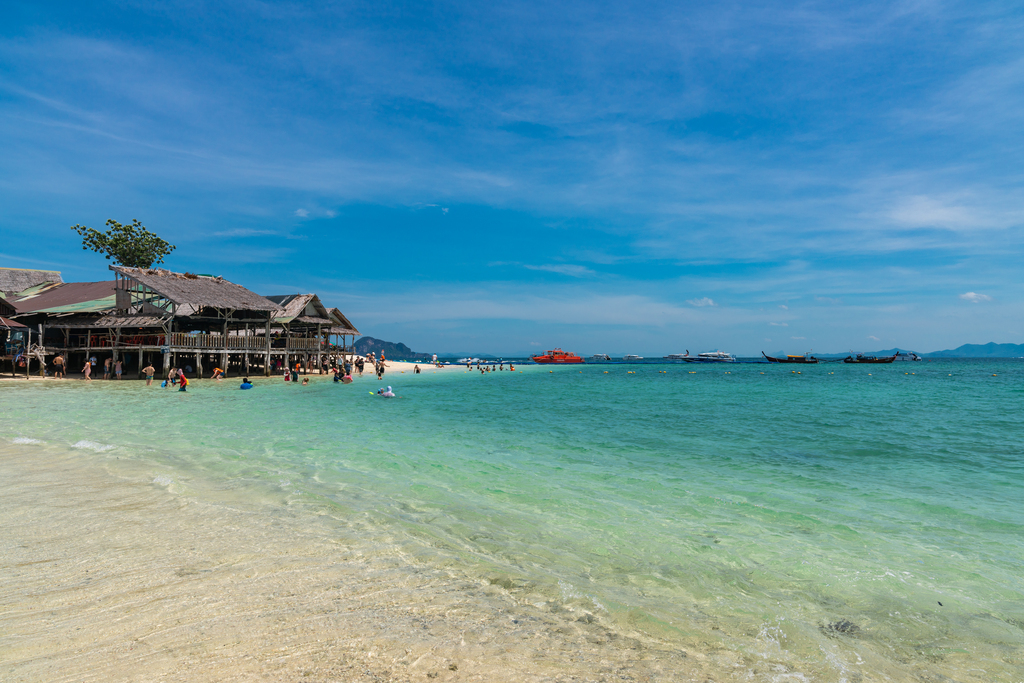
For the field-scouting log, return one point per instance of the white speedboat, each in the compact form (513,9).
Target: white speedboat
(632,357)
(678,356)
(712,357)
(600,356)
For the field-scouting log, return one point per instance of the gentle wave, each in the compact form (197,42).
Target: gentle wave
(26,440)
(93,446)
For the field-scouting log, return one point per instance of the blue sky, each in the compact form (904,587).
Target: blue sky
(505,177)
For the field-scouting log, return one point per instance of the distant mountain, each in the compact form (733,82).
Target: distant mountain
(990,350)
(391,350)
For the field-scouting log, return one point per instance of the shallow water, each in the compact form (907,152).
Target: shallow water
(796,524)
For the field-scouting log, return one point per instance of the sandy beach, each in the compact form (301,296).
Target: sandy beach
(114,578)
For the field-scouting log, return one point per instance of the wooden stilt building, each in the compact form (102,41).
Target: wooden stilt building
(166,319)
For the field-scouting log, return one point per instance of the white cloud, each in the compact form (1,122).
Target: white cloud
(564,269)
(779,324)
(798,337)
(828,300)
(871,336)
(974,297)
(301,213)
(927,212)
(767,339)
(784,307)
(704,301)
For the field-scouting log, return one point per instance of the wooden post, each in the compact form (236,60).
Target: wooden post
(42,351)
(140,361)
(199,365)
(287,347)
(224,353)
(88,344)
(266,362)
(319,348)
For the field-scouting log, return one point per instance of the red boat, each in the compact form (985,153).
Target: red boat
(557,356)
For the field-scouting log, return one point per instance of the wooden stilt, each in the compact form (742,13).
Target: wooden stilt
(266,362)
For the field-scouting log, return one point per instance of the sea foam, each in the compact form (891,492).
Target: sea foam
(93,446)
(25,439)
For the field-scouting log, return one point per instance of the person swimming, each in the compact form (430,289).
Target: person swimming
(246,384)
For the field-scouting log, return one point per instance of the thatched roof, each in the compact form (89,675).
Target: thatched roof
(14,280)
(341,323)
(301,308)
(186,289)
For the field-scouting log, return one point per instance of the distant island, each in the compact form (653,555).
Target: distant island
(399,351)
(990,350)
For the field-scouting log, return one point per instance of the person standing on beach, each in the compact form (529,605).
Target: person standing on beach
(117,368)
(87,371)
(106,368)
(150,371)
(184,382)
(360,365)
(58,367)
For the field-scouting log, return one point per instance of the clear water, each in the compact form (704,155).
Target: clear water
(815,516)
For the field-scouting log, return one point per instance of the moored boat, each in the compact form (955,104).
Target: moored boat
(861,358)
(557,356)
(711,357)
(629,357)
(806,358)
(600,357)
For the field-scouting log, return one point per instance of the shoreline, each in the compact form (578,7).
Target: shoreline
(106,575)
(393,367)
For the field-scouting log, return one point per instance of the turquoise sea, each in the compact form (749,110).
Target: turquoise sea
(848,522)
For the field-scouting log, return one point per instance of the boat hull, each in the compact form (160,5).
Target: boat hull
(557,357)
(790,359)
(875,361)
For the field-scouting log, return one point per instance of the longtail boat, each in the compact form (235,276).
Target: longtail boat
(790,359)
(861,358)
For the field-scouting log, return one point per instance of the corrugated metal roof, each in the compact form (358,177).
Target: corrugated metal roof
(81,322)
(70,297)
(7,322)
(6,308)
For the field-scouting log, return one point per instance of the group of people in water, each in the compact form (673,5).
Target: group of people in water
(110,367)
(490,368)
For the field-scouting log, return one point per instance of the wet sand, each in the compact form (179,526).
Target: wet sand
(110,577)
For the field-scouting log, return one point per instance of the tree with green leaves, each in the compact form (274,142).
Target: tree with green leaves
(129,245)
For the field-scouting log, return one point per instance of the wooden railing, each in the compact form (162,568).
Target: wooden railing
(304,343)
(215,342)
